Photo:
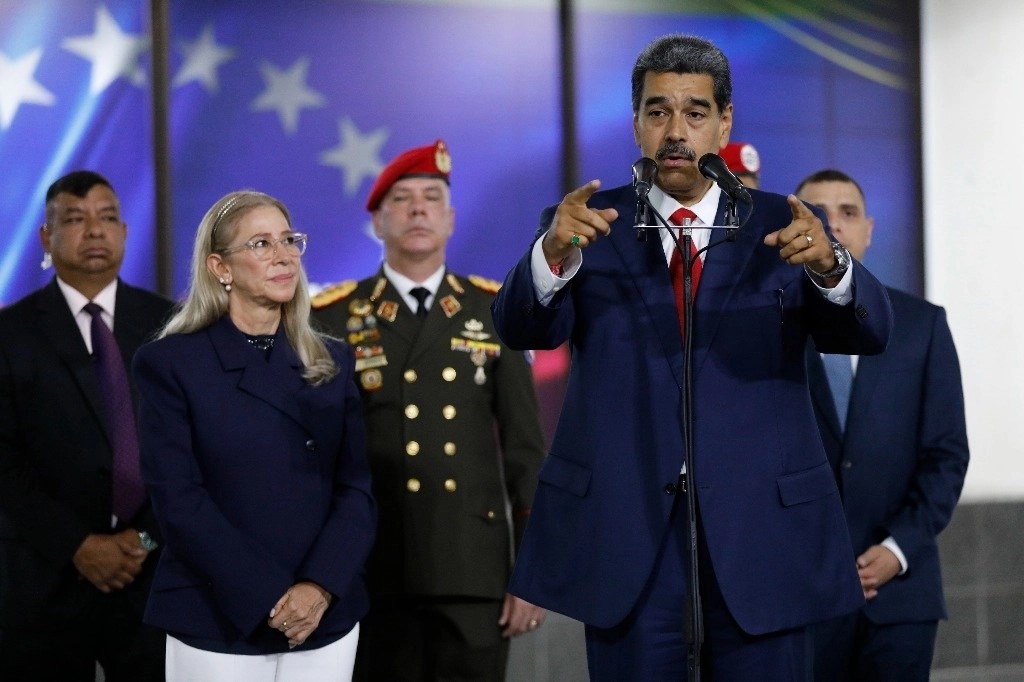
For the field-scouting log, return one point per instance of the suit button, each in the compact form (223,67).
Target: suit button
(448,374)
(448,411)
(410,375)
(311,445)
(411,411)
(412,485)
(450,485)
(412,448)
(847,464)
(670,488)
(449,448)
(491,515)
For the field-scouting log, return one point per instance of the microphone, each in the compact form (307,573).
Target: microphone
(712,167)
(643,176)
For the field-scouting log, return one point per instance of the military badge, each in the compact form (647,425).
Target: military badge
(450,305)
(360,307)
(474,330)
(370,357)
(388,310)
(454,283)
(371,380)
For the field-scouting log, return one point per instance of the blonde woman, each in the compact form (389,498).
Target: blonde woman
(253,451)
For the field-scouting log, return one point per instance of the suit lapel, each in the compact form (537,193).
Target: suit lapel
(276,382)
(724,266)
(647,267)
(57,323)
(437,321)
(821,394)
(870,369)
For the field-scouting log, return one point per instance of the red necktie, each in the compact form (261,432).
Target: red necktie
(129,492)
(675,267)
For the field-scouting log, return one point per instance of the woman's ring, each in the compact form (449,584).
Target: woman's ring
(809,239)
(534,623)
(575,241)
(284,625)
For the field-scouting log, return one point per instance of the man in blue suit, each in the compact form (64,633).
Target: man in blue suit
(607,539)
(896,437)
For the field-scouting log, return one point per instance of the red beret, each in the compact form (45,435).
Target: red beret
(741,157)
(432,161)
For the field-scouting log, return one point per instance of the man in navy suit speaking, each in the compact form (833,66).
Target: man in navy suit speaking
(896,437)
(607,538)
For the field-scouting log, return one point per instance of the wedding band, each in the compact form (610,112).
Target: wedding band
(575,241)
(809,240)
(534,623)
(284,625)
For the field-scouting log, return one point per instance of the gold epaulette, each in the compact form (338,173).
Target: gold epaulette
(333,293)
(491,286)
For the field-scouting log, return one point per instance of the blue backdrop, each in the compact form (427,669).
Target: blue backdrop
(307,101)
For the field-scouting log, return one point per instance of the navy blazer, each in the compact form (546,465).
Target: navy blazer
(770,510)
(902,461)
(258,481)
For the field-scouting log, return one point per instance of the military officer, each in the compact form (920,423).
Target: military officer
(454,440)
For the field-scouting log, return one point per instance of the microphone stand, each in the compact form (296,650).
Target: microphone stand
(694,626)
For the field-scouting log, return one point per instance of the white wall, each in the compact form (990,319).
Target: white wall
(973,109)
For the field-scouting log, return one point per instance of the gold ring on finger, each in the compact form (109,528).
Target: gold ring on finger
(810,240)
(575,241)
(533,623)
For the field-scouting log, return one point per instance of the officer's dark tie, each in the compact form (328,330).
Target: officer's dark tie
(420,294)
(839,370)
(128,492)
(675,266)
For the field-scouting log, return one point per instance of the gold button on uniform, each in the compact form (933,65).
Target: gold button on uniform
(411,411)
(491,515)
(448,411)
(412,448)
(448,374)
(450,485)
(410,375)
(413,485)
(449,448)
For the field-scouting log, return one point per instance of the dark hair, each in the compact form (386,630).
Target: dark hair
(678,53)
(829,175)
(77,183)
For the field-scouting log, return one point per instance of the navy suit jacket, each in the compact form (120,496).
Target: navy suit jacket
(902,461)
(770,510)
(258,481)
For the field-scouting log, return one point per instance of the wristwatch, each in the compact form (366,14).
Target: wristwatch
(147,541)
(843,261)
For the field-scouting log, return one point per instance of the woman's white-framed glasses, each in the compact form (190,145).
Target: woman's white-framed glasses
(294,244)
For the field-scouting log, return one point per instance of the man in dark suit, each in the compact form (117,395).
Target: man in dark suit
(896,437)
(607,542)
(73,576)
(454,440)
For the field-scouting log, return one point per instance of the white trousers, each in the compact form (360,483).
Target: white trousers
(332,663)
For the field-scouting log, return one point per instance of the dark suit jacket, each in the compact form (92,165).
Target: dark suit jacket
(770,510)
(55,457)
(258,481)
(902,461)
(474,440)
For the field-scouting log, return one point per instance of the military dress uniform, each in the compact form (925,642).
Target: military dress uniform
(454,443)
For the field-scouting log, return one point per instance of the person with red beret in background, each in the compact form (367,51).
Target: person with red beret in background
(744,162)
(454,440)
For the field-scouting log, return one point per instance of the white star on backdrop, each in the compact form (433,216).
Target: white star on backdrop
(287,92)
(20,86)
(113,52)
(202,57)
(357,155)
